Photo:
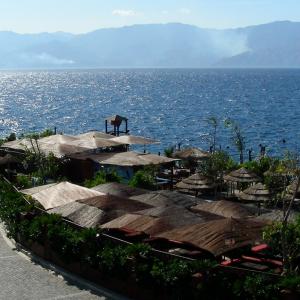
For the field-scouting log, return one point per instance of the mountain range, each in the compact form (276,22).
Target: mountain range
(275,44)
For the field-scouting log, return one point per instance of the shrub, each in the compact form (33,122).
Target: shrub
(143,179)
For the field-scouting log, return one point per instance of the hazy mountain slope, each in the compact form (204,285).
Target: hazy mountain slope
(171,45)
(270,45)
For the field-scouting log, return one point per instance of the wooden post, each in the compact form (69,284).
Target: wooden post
(106,131)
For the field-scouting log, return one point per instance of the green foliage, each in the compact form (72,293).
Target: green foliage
(217,164)
(143,179)
(238,137)
(169,151)
(41,165)
(255,287)
(37,135)
(23,181)
(291,282)
(260,166)
(274,234)
(102,177)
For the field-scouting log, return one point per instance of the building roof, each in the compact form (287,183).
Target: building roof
(109,202)
(119,189)
(60,194)
(95,143)
(81,214)
(166,198)
(191,153)
(224,208)
(134,140)
(218,236)
(94,134)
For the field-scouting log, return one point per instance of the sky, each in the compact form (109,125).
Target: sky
(79,16)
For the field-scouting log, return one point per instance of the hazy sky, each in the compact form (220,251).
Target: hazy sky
(87,15)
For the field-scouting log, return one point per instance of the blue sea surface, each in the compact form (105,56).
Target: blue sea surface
(171,105)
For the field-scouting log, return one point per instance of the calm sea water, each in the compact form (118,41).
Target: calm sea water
(170,105)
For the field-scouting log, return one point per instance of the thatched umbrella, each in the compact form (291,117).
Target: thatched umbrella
(196,183)
(94,143)
(134,140)
(240,176)
(256,193)
(191,153)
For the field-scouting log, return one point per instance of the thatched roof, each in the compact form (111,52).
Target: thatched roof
(147,222)
(241,175)
(196,182)
(37,189)
(94,134)
(255,193)
(224,208)
(191,153)
(61,193)
(95,143)
(131,159)
(277,216)
(166,198)
(79,213)
(218,236)
(58,139)
(110,202)
(134,140)
(119,189)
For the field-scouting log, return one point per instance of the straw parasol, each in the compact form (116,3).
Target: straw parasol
(196,183)
(256,193)
(191,153)
(94,143)
(242,175)
(94,134)
(134,140)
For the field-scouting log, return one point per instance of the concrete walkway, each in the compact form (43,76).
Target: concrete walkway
(21,278)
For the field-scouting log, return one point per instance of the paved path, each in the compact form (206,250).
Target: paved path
(20,278)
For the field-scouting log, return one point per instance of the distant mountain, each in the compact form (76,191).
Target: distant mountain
(171,45)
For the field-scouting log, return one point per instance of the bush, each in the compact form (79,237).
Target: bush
(143,179)
(102,177)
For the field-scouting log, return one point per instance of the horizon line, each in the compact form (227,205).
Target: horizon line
(145,24)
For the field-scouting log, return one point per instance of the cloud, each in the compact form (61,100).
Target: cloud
(125,13)
(45,58)
(184,11)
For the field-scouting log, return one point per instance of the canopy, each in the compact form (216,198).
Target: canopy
(60,194)
(224,208)
(119,189)
(256,193)
(95,142)
(166,198)
(134,140)
(196,182)
(94,134)
(132,159)
(241,175)
(191,153)
(218,236)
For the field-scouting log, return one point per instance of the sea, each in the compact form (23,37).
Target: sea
(171,105)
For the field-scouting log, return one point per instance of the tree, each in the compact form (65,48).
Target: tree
(237,137)
(213,121)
